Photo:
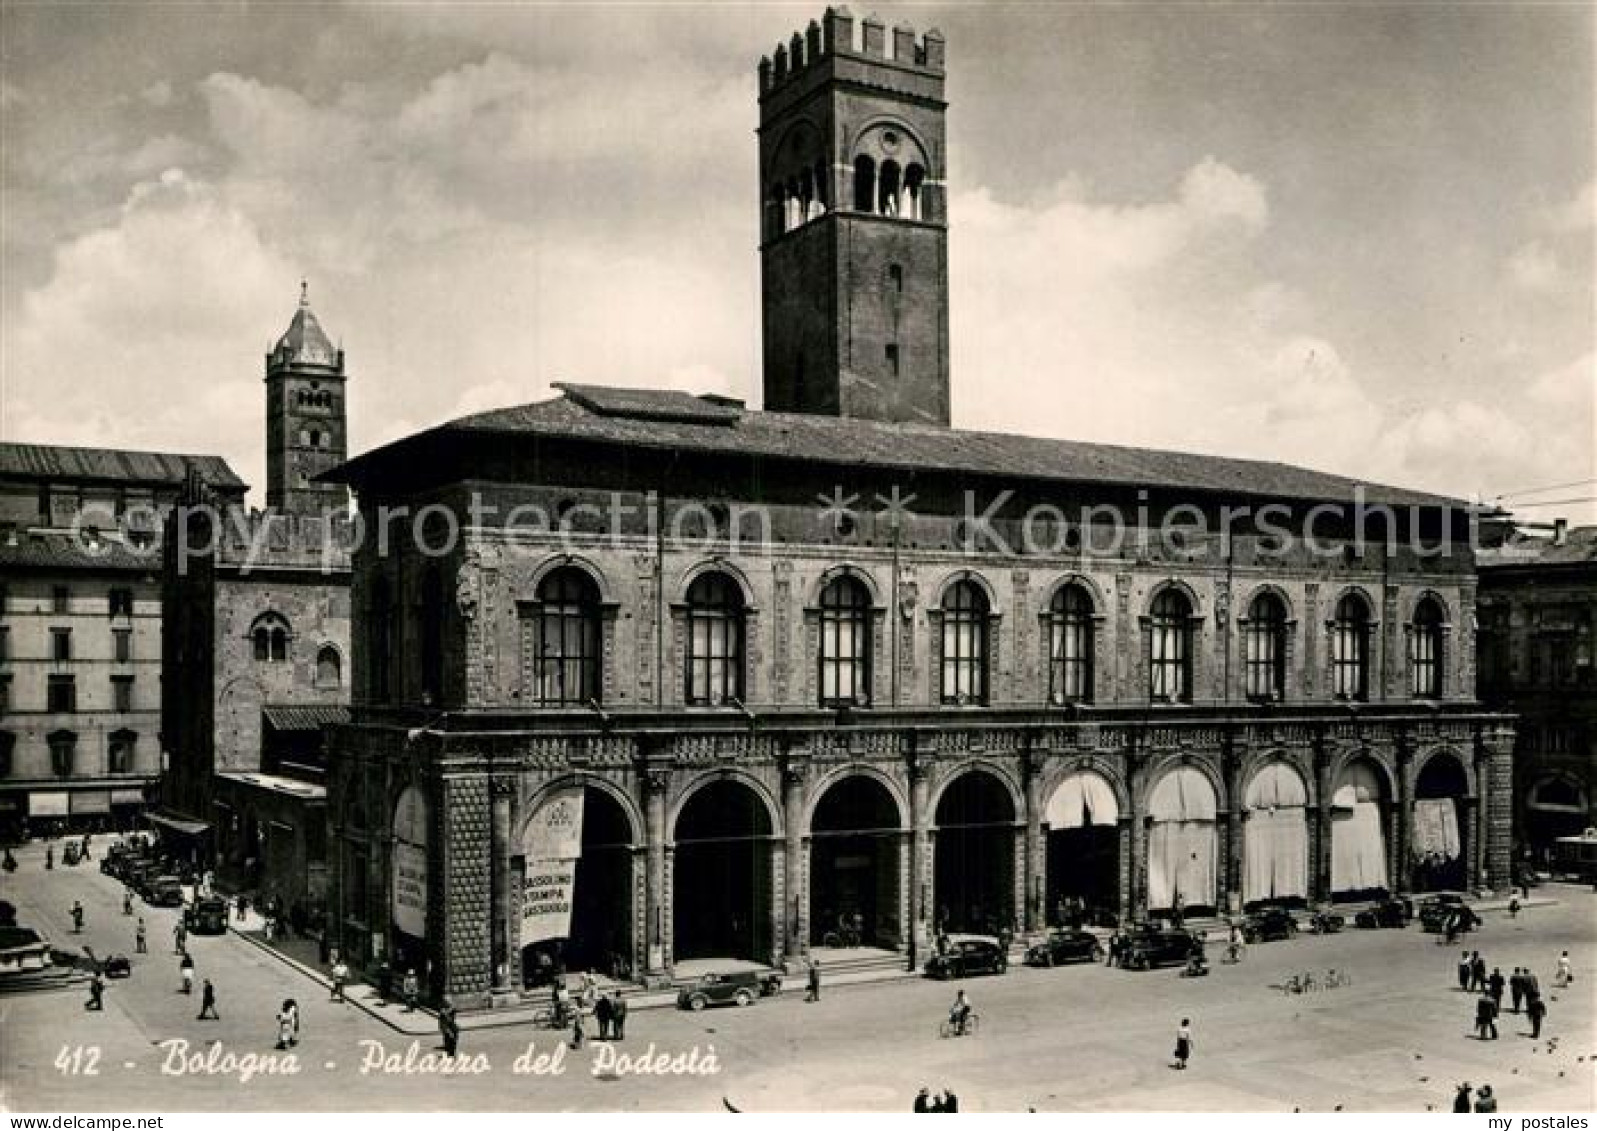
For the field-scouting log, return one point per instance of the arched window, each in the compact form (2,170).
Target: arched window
(1170,648)
(1350,649)
(914,181)
(269,636)
(1070,646)
(329,667)
(845,654)
(864,184)
(887,189)
(1264,649)
(1425,650)
(965,643)
(714,641)
(564,649)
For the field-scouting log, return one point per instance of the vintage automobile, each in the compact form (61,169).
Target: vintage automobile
(740,987)
(964,955)
(117,966)
(1065,945)
(206,916)
(1437,910)
(1150,946)
(1390,912)
(164,891)
(1269,924)
(1326,922)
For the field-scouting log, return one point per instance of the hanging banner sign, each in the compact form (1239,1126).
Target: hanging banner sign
(552,844)
(409,864)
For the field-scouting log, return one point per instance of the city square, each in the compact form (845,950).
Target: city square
(1073,1038)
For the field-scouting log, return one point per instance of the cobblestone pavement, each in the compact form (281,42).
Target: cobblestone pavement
(1077,1038)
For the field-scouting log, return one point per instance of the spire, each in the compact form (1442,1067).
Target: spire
(304,342)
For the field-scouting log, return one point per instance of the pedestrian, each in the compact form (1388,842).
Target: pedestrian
(1485,1018)
(923,1101)
(618,1017)
(180,935)
(448,1027)
(411,989)
(603,1010)
(208,1003)
(950,1101)
(324,947)
(1464,966)
(1536,1010)
(240,906)
(1183,1043)
(140,946)
(96,993)
(1477,974)
(1513,907)
(1564,975)
(1461,1098)
(340,976)
(576,1026)
(385,983)
(291,1007)
(127,901)
(186,969)
(1516,988)
(49,857)
(1533,984)
(1494,986)
(285,1027)
(77,917)
(813,990)
(1484,1100)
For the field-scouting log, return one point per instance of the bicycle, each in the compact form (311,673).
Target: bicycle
(950,1029)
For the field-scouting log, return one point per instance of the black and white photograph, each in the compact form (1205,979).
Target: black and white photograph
(730,557)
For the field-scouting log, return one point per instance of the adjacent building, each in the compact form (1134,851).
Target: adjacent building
(257,641)
(646,677)
(1538,609)
(80,629)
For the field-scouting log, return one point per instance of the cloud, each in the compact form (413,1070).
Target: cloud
(1576,214)
(1534,267)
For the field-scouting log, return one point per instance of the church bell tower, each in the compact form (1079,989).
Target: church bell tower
(854,232)
(305,417)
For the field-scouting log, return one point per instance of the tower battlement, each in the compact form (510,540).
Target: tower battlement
(834,36)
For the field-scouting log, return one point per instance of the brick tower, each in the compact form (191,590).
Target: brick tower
(854,233)
(305,417)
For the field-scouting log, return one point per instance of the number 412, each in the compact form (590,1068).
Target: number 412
(78,1060)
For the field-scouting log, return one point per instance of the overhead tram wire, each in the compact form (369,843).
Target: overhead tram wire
(1539,490)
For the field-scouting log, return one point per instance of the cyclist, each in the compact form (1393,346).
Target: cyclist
(959,1013)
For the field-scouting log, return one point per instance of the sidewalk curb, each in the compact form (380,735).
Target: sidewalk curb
(326,983)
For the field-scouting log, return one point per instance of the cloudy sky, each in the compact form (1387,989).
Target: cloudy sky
(1358,238)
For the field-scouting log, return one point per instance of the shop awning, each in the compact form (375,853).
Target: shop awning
(185,825)
(1277,786)
(1082,799)
(1183,794)
(52,803)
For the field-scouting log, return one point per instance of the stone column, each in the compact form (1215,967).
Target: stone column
(921,756)
(794,916)
(499,901)
(1402,873)
(1033,916)
(655,780)
(1324,789)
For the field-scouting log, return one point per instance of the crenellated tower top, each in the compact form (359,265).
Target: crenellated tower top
(834,36)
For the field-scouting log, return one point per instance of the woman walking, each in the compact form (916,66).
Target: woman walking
(1183,1043)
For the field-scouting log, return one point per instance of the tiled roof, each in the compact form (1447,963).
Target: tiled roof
(57,550)
(1579,547)
(112,465)
(308,716)
(663,419)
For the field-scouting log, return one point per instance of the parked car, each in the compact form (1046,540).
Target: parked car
(117,966)
(966,955)
(1269,924)
(740,987)
(1437,910)
(1391,912)
(207,916)
(1062,945)
(1149,947)
(164,891)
